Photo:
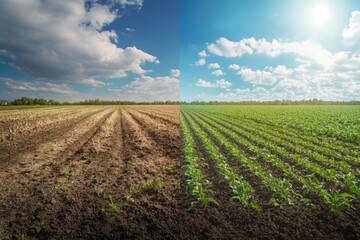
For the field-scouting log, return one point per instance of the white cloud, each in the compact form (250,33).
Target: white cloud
(201,62)
(150,88)
(302,82)
(267,77)
(213,65)
(225,48)
(124,3)
(351,34)
(175,73)
(37,86)
(92,82)
(247,90)
(218,73)
(202,54)
(63,42)
(234,67)
(257,77)
(98,16)
(130,29)
(318,73)
(237,94)
(306,49)
(222,83)
(203,83)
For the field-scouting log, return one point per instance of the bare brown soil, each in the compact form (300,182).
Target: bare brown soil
(115,173)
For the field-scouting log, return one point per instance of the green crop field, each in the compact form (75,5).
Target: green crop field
(273,155)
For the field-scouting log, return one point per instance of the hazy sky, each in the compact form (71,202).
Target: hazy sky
(263,50)
(76,49)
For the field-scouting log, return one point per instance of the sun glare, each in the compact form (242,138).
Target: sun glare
(320,14)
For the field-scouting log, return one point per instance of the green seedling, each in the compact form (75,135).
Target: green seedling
(128,199)
(68,172)
(177,184)
(255,206)
(135,190)
(98,181)
(154,185)
(64,187)
(337,201)
(168,168)
(112,206)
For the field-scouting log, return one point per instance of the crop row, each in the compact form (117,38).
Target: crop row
(276,163)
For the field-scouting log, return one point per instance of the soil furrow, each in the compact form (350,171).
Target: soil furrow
(11,152)
(261,195)
(167,137)
(219,188)
(156,116)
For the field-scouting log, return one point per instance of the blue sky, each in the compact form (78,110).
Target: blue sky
(228,50)
(85,49)
(264,50)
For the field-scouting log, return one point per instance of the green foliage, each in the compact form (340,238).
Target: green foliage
(128,199)
(154,185)
(177,184)
(112,205)
(291,141)
(64,186)
(196,182)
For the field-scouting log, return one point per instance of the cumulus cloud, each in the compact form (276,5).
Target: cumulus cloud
(202,54)
(267,77)
(150,88)
(201,62)
(316,73)
(65,42)
(218,73)
(175,73)
(124,3)
(234,67)
(305,49)
(302,82)
(257,77)
(226,48)
(99,16)
(213,65)
(37,86)
(351,34)
(222,83)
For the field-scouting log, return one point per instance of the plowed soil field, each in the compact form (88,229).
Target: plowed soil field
(89,172)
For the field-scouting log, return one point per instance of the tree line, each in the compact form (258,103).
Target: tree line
(41,101)
(31,101)
(275,102)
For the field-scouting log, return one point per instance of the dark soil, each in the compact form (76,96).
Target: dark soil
(68,194)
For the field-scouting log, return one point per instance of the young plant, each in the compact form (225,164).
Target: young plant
(64,186)
(128,199)
(154,185)
(112,206)
(177,184)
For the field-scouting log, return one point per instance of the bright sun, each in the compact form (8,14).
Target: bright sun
(320,14)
